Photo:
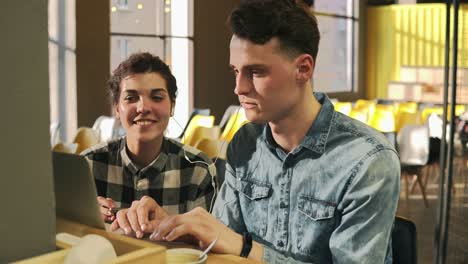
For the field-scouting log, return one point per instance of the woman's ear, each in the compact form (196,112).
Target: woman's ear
(172,108)
(116,110)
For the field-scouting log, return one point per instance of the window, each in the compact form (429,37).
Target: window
(336,68)
(159,27)
(62,69)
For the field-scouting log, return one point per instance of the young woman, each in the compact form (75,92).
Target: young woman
(144,163)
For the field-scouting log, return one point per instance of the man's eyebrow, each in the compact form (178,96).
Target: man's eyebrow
(253,66)
(250,66)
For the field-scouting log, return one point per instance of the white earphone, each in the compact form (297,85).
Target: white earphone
(211,167)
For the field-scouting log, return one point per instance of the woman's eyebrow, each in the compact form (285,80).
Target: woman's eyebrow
(157,90)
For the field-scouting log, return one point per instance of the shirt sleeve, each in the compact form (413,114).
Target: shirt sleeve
(368,210)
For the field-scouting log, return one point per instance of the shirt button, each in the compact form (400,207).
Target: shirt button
(282,205)
(280,244)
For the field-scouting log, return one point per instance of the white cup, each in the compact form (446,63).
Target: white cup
(91,249)
(184,256)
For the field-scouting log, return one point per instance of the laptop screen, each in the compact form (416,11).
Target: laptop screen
(75,190)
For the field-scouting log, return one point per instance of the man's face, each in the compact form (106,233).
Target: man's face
(265,80)
(144,107)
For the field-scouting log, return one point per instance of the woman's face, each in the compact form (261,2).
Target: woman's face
(144,107)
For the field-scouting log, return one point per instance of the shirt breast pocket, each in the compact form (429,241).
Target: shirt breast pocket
(315,223)
(253,197)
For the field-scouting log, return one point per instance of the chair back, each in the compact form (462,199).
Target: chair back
(366,106)
(107,127)
(85,137)
(343,107)
(231,110)
(408,107)
(426,112)
(413,145)
(406,117)
(358,114)
(435,124)
(210,147)
(65,147)
(202,132)
(404,241)
(235,122)
(383,119)
(196,121)
(196,111)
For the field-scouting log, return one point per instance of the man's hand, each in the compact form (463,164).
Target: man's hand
(144,216)
(204,227)
(105,206)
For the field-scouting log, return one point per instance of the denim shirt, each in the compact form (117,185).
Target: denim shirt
(330,200)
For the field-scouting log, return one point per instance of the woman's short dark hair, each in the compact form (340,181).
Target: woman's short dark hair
(290,21)
(142,62)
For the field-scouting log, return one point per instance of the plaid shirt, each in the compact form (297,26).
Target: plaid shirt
(174,183)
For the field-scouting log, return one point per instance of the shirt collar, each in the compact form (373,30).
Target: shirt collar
(317,135)
(158,163)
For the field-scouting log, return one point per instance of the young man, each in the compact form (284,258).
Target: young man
(144,163)
(305,182)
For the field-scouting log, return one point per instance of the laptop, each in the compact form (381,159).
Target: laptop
(75,190)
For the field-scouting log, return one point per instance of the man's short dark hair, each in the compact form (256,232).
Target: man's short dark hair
(290,21)
(143,62)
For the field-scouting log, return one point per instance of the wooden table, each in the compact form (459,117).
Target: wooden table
(128,249)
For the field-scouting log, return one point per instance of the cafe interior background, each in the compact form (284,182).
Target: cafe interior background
(387,63)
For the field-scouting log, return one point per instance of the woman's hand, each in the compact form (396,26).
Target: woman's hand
(105,206)
(144,216)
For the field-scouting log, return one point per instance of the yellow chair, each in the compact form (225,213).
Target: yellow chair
(408,107)
(382,107)
(235,122)
(426,112)
(343,107)
(366,106)
(65,147)
(85,138)
(212,147)
(406,118)
(201,132)
(196,121)
(360,115)
(363,103)
(383,120)
(459,110)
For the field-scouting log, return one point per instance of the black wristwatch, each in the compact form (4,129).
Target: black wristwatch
(246,245)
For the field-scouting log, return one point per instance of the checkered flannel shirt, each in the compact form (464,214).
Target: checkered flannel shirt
(173,182)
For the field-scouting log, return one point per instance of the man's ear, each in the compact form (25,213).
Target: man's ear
(305,67)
